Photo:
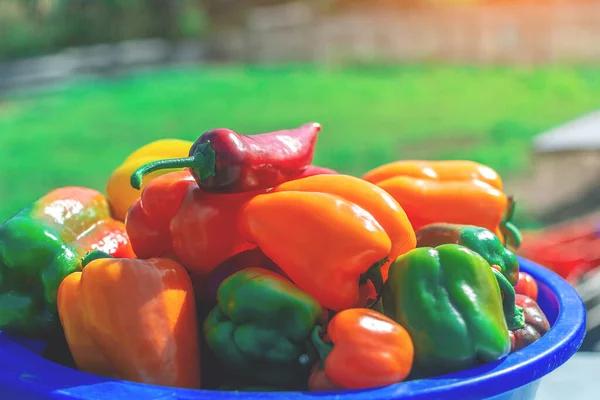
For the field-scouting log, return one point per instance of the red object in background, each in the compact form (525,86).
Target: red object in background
(569,250)
(527,286)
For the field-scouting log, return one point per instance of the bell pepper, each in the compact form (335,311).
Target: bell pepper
(119,192)
(41,245)
(224,161)
(175,218)
(482,241)
(367,350)
(457,192)
(369,229)
(326,259)
(372,199)
(261,328)
(449,301)
(444,170)
(527,286)
(536,324)
(132,319)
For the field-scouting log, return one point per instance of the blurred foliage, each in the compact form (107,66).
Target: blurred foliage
(77,135)
(33,27)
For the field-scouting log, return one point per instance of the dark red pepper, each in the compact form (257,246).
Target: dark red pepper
(536,324)
(206,286)
(224,161)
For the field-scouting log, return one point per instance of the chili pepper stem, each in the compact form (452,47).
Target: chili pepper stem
(322,348)
(511,233)
(93,255)
(203,160)
(513,313)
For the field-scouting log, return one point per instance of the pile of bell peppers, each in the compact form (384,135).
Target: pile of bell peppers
(234,263)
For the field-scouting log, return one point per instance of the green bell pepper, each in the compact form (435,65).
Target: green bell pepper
(449,301)
(261,327)
(38,249)
(481,240)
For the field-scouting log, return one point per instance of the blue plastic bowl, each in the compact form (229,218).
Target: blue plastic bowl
(24,375)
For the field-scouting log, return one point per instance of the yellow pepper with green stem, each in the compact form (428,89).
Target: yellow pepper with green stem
(120,194)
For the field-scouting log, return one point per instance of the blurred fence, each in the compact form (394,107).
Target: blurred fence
(98,60)
(552,32)
(498,33)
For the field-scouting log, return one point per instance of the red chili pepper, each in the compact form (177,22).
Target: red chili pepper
(224,161)
(527,286)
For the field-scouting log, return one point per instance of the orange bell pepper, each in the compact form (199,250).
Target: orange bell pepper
(445,170)
(132,319)
(368,350)
(457,192)
(328,231)
(372,199)
(175,218)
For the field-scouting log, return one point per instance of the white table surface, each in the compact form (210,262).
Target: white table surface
(577,379)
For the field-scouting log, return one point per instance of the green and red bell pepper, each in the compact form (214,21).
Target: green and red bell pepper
(481,240)
(41,245)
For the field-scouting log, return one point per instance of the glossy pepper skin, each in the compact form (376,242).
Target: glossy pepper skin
(536,324)
(371,198)
(354,200)
(482,241)
(368,350)
(119,192)
(448,300)
(41,245)
(456,192)
(527,286)
(224,161)
(175,218)
(261,328)
(132,319)
(445,170)
(322,239)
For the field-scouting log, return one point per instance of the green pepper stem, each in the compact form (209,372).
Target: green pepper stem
(203,160)
(373,274)
(93,255)
(323,349)
(511,233)
(513,313)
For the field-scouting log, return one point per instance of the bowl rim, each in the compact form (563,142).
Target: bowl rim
(35,377)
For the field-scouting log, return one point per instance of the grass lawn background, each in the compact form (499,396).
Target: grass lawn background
(78,134)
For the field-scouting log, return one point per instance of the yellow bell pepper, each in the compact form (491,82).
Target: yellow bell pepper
(119,192)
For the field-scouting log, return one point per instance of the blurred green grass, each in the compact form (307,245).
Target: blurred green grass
(78,134)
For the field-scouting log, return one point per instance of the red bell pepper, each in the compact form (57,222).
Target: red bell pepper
(175,218)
